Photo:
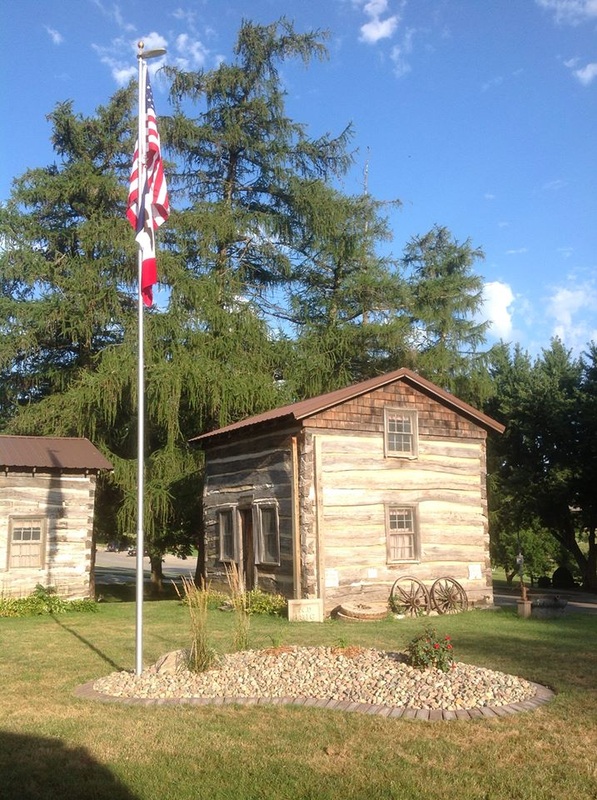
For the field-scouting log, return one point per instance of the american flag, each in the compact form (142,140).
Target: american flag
(147,214)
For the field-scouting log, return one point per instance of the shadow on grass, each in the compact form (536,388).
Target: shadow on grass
(40,768)
(88,644)
(126,592)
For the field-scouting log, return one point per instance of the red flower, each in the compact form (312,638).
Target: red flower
(448,647)
(436,646)
(448,638)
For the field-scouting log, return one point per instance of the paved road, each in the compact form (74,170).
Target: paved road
(577,601)
(120,568)
(115,568)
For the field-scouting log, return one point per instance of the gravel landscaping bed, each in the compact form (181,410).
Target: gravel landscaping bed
(347,674)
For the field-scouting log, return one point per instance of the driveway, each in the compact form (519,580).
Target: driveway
(120,568)
(577,601)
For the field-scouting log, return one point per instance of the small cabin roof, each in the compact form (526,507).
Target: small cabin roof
(50,452)
(296,412)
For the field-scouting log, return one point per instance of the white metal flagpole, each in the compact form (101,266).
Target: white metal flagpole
(141,149)
(142,57)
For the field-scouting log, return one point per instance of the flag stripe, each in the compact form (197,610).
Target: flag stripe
(146,212)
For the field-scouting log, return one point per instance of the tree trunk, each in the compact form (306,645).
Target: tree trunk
(590,575)
(157,574)
(200,574)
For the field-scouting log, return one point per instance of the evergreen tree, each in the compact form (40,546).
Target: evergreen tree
(542,467)
(445,297)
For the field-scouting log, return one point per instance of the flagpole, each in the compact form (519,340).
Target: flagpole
(141,146)
(142,57)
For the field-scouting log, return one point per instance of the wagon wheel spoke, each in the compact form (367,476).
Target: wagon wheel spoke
(409,597)
(448,596)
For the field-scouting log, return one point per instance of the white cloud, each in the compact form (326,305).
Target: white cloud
(489,196)
(377,28)
(192,52)
(571,11)
(399,53)
(517,251)
(152,41)
(114,13)
(492,82)
(554,186)
(120,56)
(586,75)
(565,252)
(573,312)
(186,16)
(55,36)
(497,300)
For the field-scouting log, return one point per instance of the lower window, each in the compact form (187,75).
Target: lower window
(401,533)
(226,530)
(26,543)
(268,534)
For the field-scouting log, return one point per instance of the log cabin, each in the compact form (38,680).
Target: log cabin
(47,499)
(332,499)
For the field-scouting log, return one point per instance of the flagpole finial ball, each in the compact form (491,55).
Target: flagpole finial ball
(141,45)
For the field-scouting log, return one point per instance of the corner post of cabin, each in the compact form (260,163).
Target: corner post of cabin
(319,554)
(296,532)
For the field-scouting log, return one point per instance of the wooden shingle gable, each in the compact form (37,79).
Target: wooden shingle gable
(313,411)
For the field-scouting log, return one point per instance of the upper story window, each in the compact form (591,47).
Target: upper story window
(401,433)
(26,543)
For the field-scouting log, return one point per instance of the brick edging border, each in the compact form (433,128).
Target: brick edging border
(542,695)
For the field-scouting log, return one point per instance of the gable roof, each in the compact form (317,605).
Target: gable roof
(50,452)
(297,412)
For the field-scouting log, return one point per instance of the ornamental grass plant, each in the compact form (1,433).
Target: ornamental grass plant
(196,598)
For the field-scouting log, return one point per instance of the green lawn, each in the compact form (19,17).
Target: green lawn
(54,745)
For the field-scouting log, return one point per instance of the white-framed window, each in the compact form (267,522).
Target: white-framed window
(226,519)
(27,543)
(402,533)
(267,528)
(401,433)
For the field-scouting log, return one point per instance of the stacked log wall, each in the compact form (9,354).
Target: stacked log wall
(65,502)
(239,473)
(446,483)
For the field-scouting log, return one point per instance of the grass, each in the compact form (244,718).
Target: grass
(54,745)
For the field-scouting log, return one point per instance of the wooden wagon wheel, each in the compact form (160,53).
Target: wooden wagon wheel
(448,596)
(409,596)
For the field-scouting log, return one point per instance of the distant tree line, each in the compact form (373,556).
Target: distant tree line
(272,289)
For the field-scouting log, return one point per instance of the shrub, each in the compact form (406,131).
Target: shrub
(43,600)
(260,602)
(430,651)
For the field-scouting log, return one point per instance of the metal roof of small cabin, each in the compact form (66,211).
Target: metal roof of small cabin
(308,408)
(50,452)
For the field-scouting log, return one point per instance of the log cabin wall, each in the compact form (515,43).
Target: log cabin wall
(60,506)
(348,487)
(240,475)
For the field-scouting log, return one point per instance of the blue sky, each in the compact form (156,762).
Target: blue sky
(480,115)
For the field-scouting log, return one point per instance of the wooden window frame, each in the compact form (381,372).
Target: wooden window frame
(230,510)
(261,557)
(412,532)
(17,523)
(413,435)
